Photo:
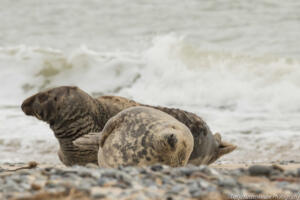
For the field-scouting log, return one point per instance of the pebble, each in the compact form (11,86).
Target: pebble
(293,188)
(290,173)
(227,182)
(156,168)
(97,193)
(260,170)
(298,172)
(84,186)
(92,165)
(177,189)
(35,186)
(196,193)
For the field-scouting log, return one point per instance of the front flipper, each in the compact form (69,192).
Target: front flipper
(88,142)
(111,125)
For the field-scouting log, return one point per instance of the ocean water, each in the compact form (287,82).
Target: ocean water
(234,63)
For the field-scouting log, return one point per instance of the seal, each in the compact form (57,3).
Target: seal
(208,147)
(71,114)
(141,136)
(76,119)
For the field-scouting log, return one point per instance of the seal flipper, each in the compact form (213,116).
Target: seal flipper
(223,146)
(89,141)
(110,125)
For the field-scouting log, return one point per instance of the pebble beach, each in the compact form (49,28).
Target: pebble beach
(33,181)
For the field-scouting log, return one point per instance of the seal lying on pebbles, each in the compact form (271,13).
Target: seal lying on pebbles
(71,114)
(207,147)
(75,118)
(141,136)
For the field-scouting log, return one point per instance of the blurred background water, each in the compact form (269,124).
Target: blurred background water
(234,63)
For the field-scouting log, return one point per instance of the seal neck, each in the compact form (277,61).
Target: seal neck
(102,115)
(81,121)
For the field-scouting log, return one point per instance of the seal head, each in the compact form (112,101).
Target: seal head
(71,114)
(63,108)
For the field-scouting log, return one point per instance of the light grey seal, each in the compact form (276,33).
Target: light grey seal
(141,136)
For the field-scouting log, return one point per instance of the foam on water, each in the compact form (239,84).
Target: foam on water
(239,95)
(178,73)
(170,72)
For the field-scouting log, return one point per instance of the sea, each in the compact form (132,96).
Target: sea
(234,63)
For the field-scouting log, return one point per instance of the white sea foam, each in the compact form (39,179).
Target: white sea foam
(170,72)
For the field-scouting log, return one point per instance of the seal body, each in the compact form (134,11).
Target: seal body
(208,147)
(140,136)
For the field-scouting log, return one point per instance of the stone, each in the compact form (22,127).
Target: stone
(259,170)
(92,165)
(177,189)
(298,172)
(227,182)
(156,168)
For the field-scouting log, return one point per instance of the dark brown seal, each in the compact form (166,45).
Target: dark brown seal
(71,114)
(75,117)
(141,136)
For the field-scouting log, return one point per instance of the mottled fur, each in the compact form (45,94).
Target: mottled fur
(207,148)
(140,136)
(75,117)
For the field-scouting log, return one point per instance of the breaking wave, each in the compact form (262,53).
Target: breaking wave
(170,72)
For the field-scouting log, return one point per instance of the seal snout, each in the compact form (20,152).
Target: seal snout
(27,105)
(33,105)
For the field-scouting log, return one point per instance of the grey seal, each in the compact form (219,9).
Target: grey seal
(141,136)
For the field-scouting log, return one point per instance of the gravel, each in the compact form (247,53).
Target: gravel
(153,182)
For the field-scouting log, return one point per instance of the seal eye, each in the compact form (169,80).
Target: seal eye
(42,114)
(172,140)
(51,122)
(55,98)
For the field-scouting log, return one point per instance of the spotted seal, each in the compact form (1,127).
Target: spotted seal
(140,136)
(208,147)
(76,119)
